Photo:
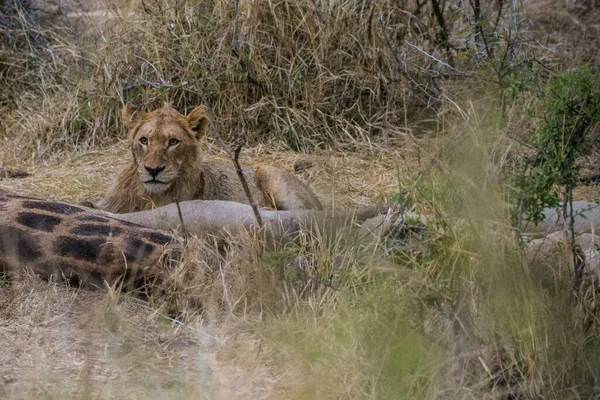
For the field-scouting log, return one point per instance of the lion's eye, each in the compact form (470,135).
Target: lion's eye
(173,142)
(144,140)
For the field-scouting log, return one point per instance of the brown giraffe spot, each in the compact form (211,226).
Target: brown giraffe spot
(73,280)
(96,230)
(159,238)
(83,277)
(133,278)
(58,208)
(80,249)
(17,242)
(41,222)
(136,250)
(171,257)
(86,277)
(71,274)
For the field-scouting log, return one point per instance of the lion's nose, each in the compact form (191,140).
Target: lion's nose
(154,171)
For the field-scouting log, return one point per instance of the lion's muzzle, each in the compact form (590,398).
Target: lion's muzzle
(154,171)
(153,181)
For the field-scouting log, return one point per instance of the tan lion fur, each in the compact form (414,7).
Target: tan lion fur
(166,165)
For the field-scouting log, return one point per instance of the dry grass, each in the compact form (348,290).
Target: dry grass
(564,26)
(64,343)
(339,178)
(348,85)
(294,78)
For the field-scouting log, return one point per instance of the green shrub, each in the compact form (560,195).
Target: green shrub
(571,107)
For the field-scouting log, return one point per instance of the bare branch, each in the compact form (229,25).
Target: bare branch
(238,168)
(185,234)
(403,67)
(439,15)
(414,46)
(240,173)
(234,41)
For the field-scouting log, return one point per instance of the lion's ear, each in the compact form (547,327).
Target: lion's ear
(130,116)
(198,120)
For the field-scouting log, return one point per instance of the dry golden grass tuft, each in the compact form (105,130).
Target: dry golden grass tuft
(64,343)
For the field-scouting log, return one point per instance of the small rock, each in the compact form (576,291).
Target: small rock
(551,256)
(587,220)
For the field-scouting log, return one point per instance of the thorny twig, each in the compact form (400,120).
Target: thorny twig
(478,28)
(240,173)
(499,15)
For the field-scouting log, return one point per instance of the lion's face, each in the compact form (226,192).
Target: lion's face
(164,144)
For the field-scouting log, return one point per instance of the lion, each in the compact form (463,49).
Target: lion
(166,166)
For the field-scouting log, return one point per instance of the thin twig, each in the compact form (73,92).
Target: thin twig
(185,234)
(478,29)
(579,265)
(158,85)
(499,15)
(238,168)
(235,49)
(240,173)
(414,46)
(402,65)
(515,17)
(316,279)
(439,14)
(225,292)
(234,41)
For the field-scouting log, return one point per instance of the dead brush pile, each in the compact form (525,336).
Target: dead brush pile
(45,103)
(304,74)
